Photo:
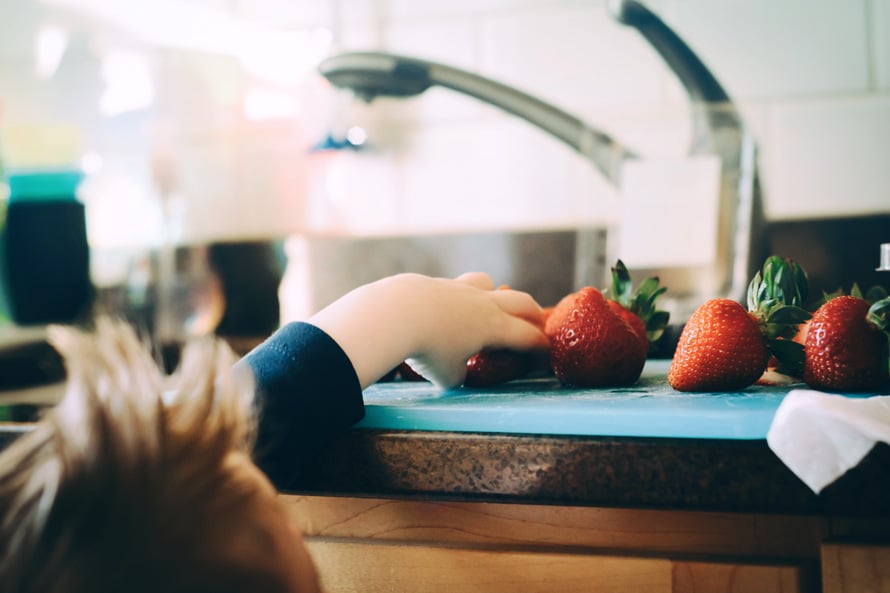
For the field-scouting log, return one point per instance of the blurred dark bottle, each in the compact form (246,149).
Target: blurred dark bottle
(45,255)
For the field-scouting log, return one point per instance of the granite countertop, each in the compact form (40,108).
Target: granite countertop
(627,472)
(646,446)
(630,472)
(470,448)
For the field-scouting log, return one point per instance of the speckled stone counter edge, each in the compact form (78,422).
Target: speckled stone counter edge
(691,474)
(680,474)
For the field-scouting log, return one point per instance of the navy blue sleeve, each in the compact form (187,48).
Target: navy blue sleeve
(307,393)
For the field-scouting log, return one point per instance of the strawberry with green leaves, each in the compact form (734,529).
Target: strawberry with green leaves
(594,346)
(725,347)
(637,307)
(847,345)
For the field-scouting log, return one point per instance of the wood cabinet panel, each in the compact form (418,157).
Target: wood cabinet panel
(713,577)
(855,568)
(346,567)
(372,567)
(394,545)
(649,531)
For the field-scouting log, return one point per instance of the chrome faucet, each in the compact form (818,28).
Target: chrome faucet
(376,74)
(716,131)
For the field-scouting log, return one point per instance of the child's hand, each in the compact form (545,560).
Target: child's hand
(438,323)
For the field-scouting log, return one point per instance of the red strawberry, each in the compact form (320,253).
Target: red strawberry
(846,349)
(493,367)
(637,307)
(594,347)
(725,347)
(632,320)
(390,376)
(555,316)
(406,373)
(721,347)
(801,336)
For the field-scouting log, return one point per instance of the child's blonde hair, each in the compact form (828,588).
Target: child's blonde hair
(132,482)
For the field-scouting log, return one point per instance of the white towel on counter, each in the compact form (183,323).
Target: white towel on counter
(820,436)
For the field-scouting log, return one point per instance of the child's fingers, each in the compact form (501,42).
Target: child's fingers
(480,280)
(519,334)
(518,304)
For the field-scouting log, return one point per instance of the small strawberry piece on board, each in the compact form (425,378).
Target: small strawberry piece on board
(846,346)
(494,367)
(406,373)
(595,347)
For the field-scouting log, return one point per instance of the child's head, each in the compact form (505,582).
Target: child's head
(130,486)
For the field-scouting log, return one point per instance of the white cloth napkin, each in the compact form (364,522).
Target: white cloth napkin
(820,436)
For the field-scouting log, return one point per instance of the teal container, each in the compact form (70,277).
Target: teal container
(36,185)
(45,255)
(4,309)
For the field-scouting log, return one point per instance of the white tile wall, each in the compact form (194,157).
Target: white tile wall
(801,72)
(453,42)
(413,10)
(298,13)
(880,37)
(829,158)
(575,57)
(481,175)
(20,20)
(356,37)
(764,48)
(811,77)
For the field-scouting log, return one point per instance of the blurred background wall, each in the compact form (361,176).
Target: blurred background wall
(195,117)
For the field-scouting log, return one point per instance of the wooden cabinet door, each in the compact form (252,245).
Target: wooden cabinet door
(728,577)
(377,567)
(855,568)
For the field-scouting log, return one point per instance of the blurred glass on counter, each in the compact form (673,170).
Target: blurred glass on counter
(45,255)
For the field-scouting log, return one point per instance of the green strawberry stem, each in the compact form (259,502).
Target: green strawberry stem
(776,297)
(871,296)
(790,356)
(879,316)
(640,302)
(875,294)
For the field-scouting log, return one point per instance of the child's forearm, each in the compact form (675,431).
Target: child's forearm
(306,389)
(306,394)
(375,325)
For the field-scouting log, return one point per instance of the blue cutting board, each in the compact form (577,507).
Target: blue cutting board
(650,408)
